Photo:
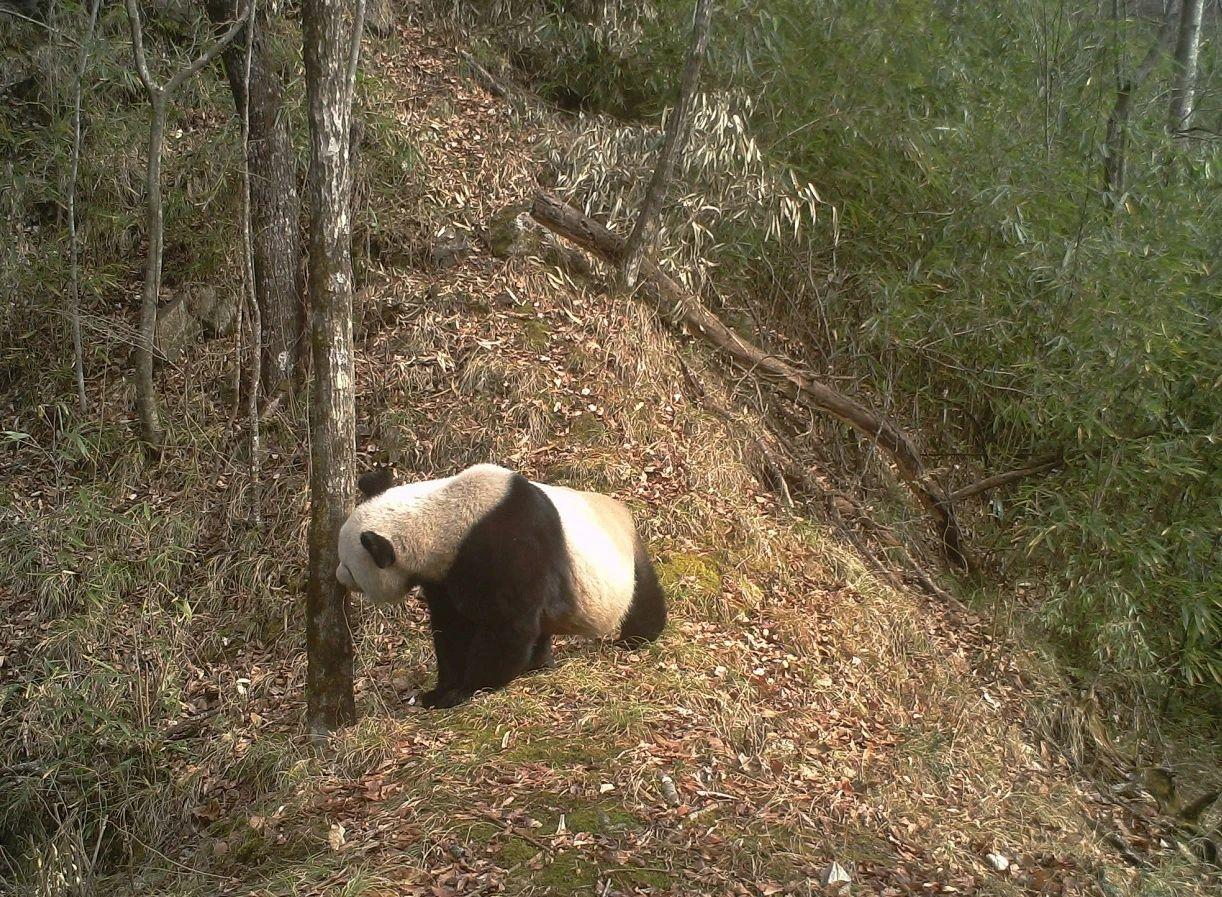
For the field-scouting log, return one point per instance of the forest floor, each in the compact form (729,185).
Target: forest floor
(798,712)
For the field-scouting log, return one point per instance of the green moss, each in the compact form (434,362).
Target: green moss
(683,572)
(560,751)
(656,879)
(601,819)
(537,334)
(588,429)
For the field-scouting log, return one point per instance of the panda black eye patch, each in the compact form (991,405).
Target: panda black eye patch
(379,548)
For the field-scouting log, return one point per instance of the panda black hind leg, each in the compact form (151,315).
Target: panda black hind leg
(646,616)
(541,655)
(509,568)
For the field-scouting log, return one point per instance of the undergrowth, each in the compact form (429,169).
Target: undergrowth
(945,244)
(797,711)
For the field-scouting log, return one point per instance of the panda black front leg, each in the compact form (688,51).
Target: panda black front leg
(452,634)
(496,656)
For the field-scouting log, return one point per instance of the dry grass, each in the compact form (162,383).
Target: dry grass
(801,710)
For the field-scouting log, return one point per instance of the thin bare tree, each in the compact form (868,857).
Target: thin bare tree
(258,96)
(1187,53)
(159,96)
(250,293)
(640,241)
(332,54)
(74,249)
(1116,140)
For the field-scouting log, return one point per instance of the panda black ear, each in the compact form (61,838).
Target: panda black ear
(379,548)
(376,481)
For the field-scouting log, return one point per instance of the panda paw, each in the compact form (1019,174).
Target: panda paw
(439,698)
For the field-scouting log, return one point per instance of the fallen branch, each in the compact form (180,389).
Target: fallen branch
(670,300)
(1047,462)
(493,84)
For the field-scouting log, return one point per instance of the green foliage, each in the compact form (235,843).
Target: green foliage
(969,273)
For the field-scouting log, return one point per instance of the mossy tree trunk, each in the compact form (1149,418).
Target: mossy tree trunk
(275,207)
(1187,55)
(331,51)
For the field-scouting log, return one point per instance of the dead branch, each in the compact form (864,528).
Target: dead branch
(672,301)
(641,239)
(1046,462)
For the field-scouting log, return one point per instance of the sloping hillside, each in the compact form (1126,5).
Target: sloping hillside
(798,712)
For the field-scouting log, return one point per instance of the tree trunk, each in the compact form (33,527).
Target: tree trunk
(1187,50)
(146,392)
(274,203)
(671,299)
(1116,141)
(330,67)
(641,239)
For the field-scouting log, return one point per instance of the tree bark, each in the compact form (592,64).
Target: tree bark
(669,299)
(641,239)
(330,66)
(1116,140)
(158,97)
(274,202)
(1187,51)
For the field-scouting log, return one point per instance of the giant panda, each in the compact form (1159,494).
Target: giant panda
(504,564)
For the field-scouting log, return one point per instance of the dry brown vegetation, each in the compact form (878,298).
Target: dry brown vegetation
(798,711)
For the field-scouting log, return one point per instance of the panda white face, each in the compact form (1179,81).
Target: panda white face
(361,571)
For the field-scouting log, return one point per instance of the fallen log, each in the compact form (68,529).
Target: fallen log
(671,300)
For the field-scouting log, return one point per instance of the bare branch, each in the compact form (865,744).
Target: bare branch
(639,240)
(142,66)
(211,53)
(672,300)
(61,35)
(354,51)
(248,253)
(1010,476)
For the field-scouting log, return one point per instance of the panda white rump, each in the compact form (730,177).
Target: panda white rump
(601,542)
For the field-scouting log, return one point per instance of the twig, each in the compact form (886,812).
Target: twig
(510,830)
(494,85)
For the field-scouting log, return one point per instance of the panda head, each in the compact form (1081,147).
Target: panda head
(368,560)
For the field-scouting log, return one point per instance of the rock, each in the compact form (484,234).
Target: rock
(448,248)
(379,17)
(217,311)
(997,862)
(512,232)
(834,878)
(670,794)
(176,329)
